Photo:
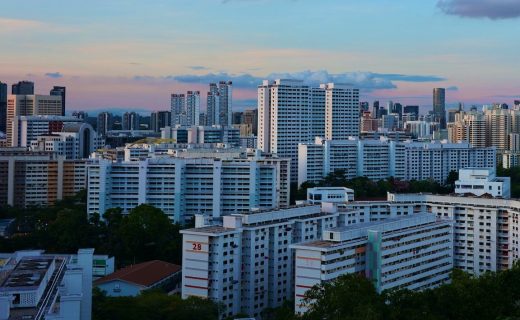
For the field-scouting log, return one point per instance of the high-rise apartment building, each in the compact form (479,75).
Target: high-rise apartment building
(29,105)
(439,106)
(290,112)
(60,91)
(225,89)
(3,107)
(104,123)
(38,178)
(178,108)
(213,105)
(498,127)
(250,117)
(131,121)
(159,120)
(183,187)
(23,87)
(341,111)
(193,108)
(380,159)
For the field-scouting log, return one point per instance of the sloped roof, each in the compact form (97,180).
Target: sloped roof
(144,274)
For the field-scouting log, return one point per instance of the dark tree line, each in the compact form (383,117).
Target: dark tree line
(144,234)
(365,188)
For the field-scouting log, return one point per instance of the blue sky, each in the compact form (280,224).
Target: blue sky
(129,53)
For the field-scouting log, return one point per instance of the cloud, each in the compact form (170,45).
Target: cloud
(492,9)
(364,80)
(8,25)
(452,88)
(55,75)
(198,68)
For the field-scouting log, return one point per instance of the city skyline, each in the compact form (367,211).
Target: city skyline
(391,51)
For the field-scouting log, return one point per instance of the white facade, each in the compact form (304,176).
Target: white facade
(247,264)
(25,129)
(414,252)
(380,159)
(183,187)
(329,194)
(480,181)
(193,107)
(290,112)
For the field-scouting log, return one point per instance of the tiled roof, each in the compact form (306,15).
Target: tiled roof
(144,274)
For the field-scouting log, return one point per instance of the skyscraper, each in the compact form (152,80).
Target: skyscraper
(60,91)
(250,117)
(213,101)
(439,106)
(193,108)
(290,112)
(130,121)
(178,107)
(225,89)
(104,123)
(3,107)
(159,120)
(23,87)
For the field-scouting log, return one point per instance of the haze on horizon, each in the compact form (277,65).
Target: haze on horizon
(133,54)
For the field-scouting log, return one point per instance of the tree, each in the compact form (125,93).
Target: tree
(349,297)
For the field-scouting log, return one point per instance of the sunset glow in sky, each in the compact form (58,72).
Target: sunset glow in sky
(132,53)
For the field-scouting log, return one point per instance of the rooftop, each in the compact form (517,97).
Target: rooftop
(144,274)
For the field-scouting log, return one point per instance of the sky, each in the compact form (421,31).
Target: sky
(132,54)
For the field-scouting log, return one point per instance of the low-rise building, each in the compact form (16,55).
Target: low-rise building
(134,279)
(319,195)
(482,181)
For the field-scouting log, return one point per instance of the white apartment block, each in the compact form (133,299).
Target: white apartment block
(290,113)
(25,129)
(414,252)
(35,285)
(481,181)
(380,159)
(247,264)
(183,187)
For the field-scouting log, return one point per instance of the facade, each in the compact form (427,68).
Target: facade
(3,107)
(414,252)
(25,129)
(193,108)
(38,178)
(247,264)
(30,105)
(159,120)
(380,159)
(178,108)
(481,181)
(74,141)
(134,279)
(60,91)
(23,88)
(202,134)
(183,187)
(439,106)
(329,194)
(104,123)
(131,121)
(36,285)
(290,112)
